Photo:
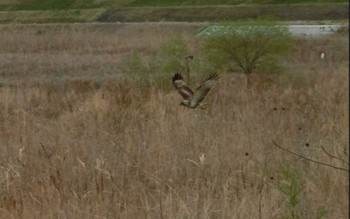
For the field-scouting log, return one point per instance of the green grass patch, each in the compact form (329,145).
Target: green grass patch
(228,13)
(85,4)
(292,188)
(40,11)
(54,4)
(223,2)
(67,16)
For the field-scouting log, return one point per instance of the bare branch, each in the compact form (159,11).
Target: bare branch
(333,156)
(48,155)
(309,159)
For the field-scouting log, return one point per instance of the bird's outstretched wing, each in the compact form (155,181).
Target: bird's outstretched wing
(203,89)
(181,87)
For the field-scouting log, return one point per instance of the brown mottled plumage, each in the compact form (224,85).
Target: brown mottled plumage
(193,99)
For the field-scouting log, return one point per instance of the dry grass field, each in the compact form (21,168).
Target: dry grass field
(77,140)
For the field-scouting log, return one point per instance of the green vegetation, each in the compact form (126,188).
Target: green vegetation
(40,11)
(57,16)
(292,189)
(84,4)
(248,47)
(228,13)
(222,2)
(136,69)
(156,69)
(54,4)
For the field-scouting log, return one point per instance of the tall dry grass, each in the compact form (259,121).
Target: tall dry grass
(93,145)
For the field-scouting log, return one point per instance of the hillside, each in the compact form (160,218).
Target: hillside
(214,13)
(79,4)
(282,12)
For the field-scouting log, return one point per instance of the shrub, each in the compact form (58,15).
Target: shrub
(246,46)
(159,68)
(291,187)
(174,56)
(136,69)
(171,54)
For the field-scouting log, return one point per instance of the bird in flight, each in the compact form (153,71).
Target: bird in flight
(194,99)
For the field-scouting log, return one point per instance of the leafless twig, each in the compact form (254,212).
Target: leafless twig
(48,155)
(306,158)
(333,156)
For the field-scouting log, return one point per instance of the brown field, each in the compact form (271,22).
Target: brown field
(79,141)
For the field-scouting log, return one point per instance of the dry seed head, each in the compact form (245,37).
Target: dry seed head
(202,159)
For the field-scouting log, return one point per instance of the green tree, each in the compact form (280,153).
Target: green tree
(246,46)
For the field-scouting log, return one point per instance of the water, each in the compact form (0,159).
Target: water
(313,30)
(295,30)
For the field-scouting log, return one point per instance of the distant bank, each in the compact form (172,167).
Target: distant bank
(282,12)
